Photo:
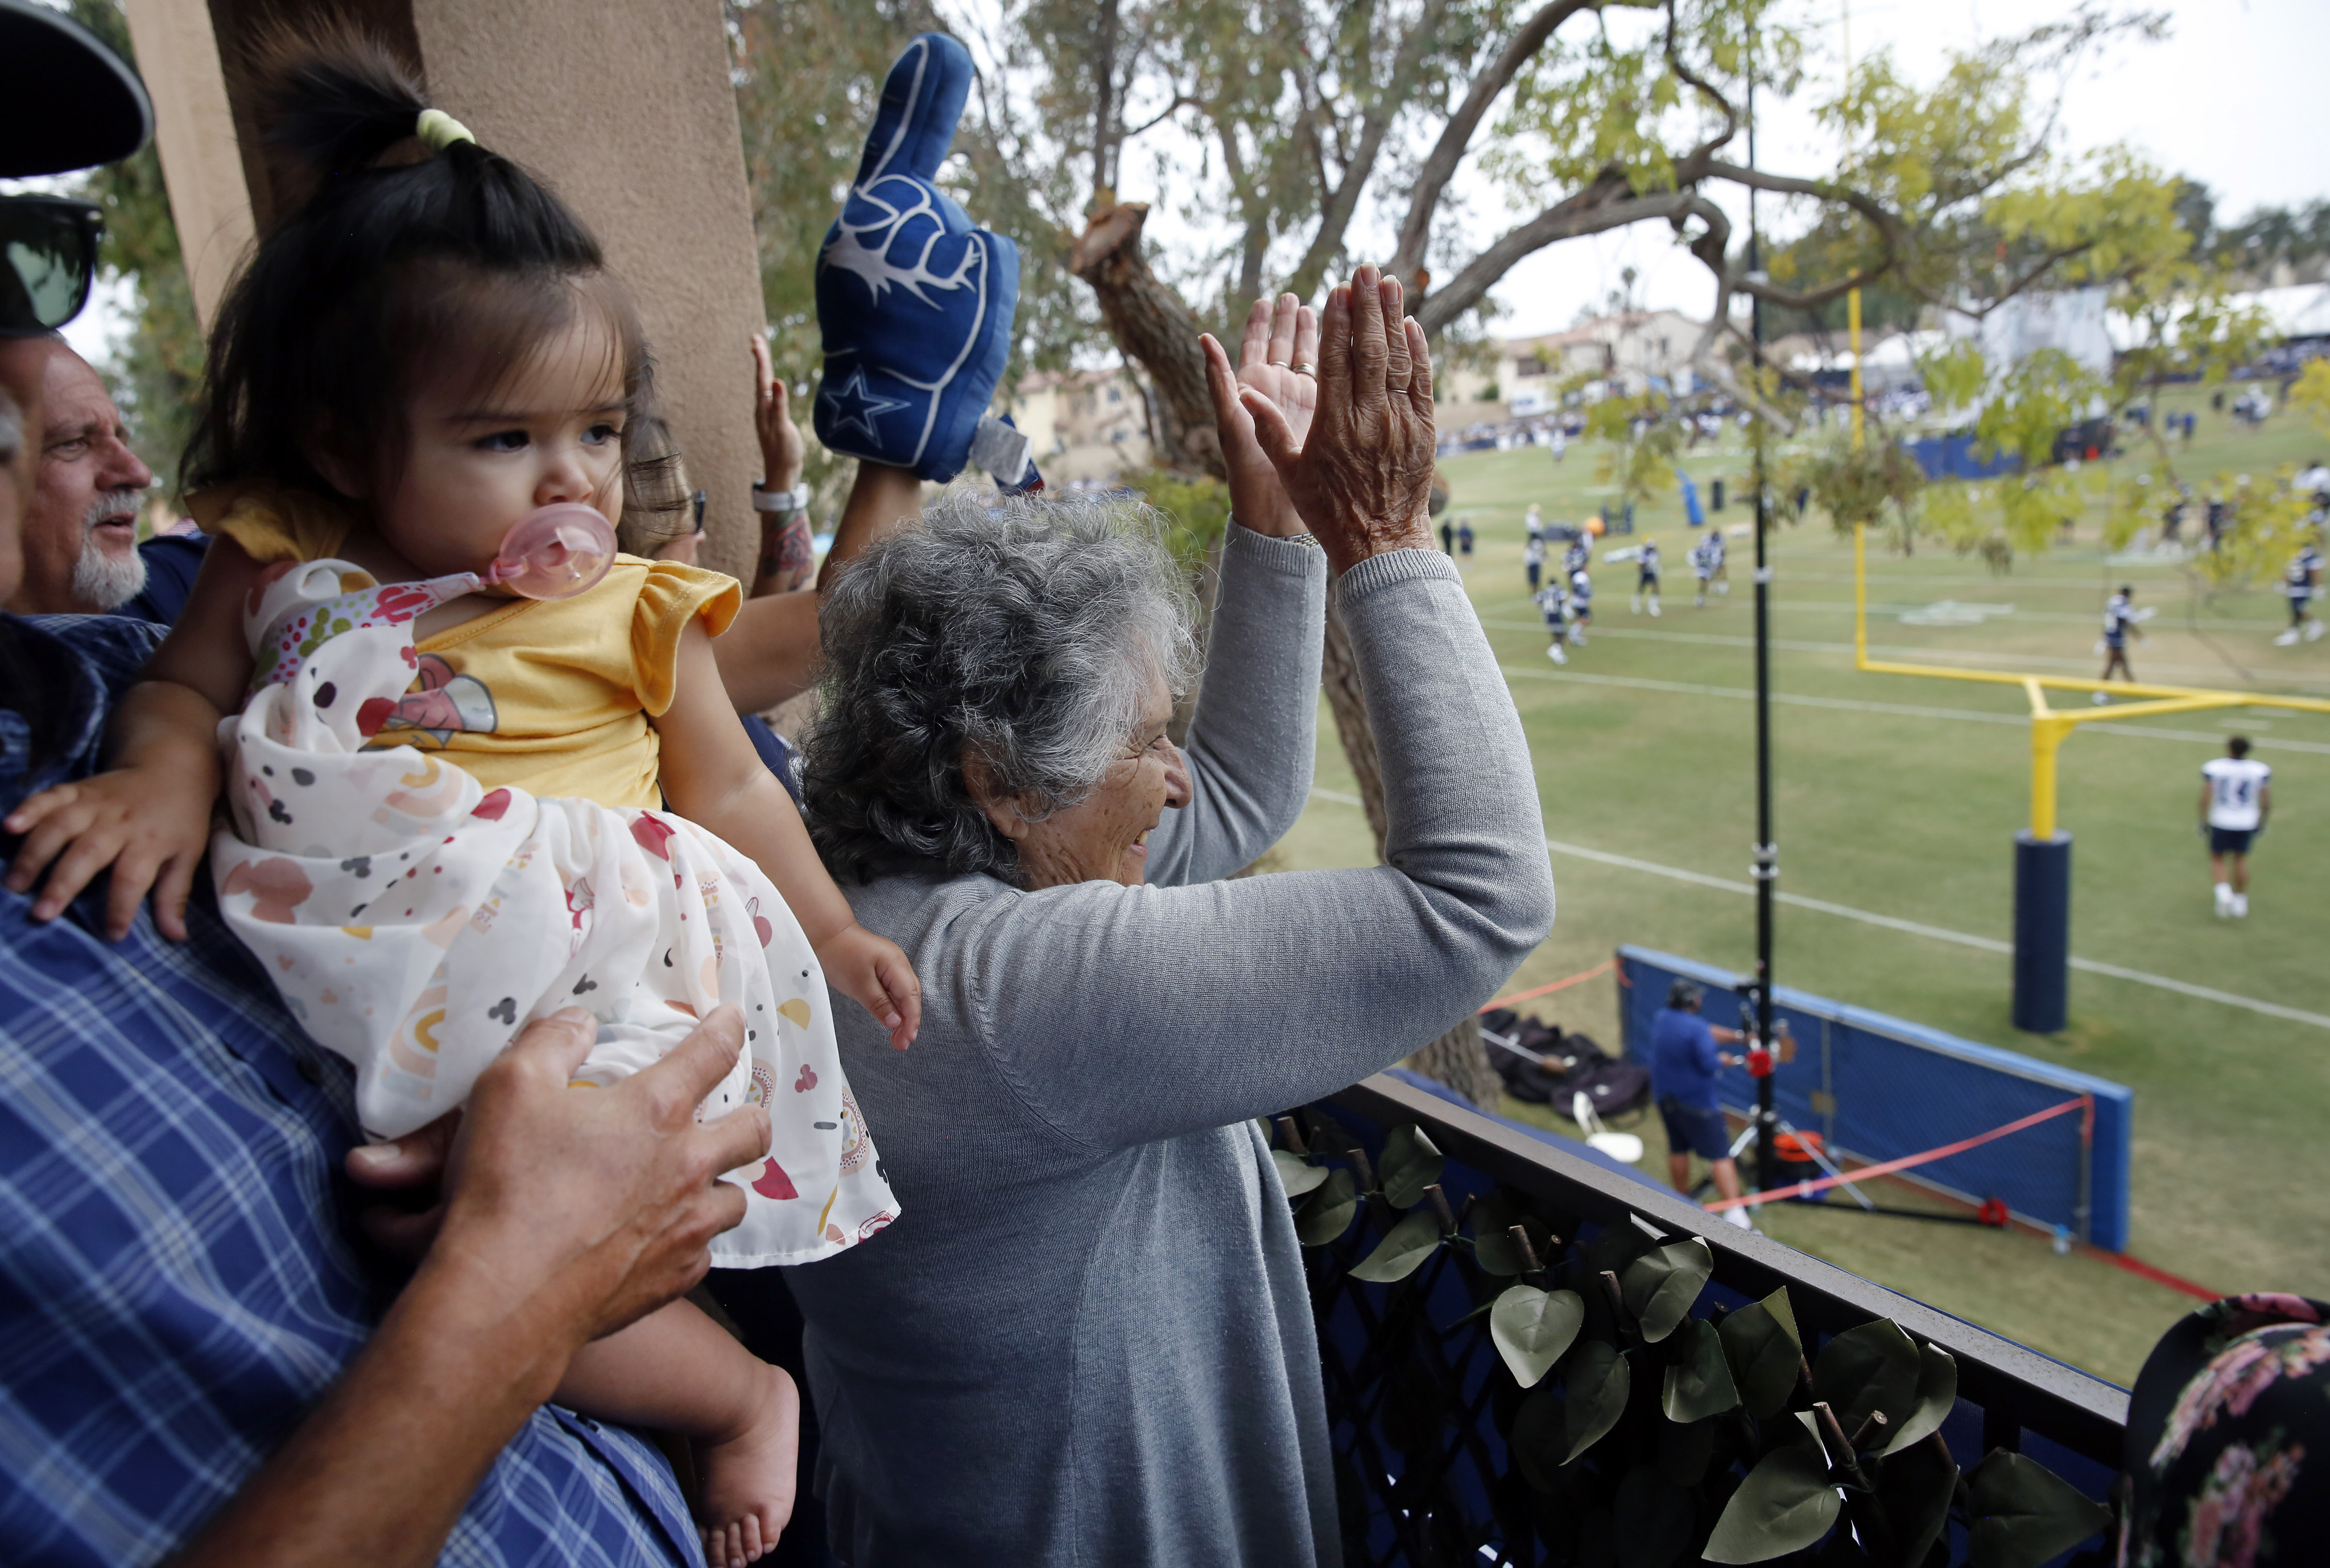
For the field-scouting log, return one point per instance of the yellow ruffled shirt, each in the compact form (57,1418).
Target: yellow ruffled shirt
(552,696)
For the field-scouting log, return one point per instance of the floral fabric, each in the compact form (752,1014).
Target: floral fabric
(413,921)
(2228,1439)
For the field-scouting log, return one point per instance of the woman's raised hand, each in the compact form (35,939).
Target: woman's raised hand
(781,445)
(1361,478)
(1277,358)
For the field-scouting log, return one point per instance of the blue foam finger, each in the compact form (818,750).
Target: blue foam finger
(914,303)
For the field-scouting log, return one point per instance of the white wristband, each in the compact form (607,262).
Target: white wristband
(793,500)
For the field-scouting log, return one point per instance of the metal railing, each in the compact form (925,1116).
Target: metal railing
(1419,1403)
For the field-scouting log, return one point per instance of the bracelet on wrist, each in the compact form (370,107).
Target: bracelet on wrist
(780,501)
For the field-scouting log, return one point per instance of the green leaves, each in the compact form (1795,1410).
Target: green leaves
(1402,1252)
(1493,1247)
(1533,1327)
(1873,1367)
(1661,1285)
(1786,1504)
(1760,1343)
(1594,1392)
(1298,1175)
(2026,1513)
(1699,1381)
(1548,1432)
(1328,1212)
(1937,1391)
(1915,1488)
(1410,1164)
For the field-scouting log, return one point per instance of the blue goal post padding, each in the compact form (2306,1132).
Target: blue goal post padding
(1879,1087)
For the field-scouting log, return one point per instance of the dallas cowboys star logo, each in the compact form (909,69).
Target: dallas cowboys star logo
(853,405)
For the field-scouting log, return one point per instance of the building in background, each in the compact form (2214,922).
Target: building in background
(1085,424)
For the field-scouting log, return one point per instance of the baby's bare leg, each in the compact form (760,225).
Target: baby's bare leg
(676,1369)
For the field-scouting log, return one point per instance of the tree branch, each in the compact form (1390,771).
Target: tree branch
(1456,135)
(1692,167)
(1609,202)
(1151,324)
(1335,220)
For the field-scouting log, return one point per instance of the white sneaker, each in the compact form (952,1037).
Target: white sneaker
(1556,654)
(2225,900)
(2287,638)
(2240,906)
(1654,609)
(1739,1218)
(2312,630)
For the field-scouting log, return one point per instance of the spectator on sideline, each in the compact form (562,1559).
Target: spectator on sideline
(1464,538)
(1684,1060)
(1533,560)
(2236,798)
(201,1365)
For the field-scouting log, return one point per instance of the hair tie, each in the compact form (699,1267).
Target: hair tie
(438,131)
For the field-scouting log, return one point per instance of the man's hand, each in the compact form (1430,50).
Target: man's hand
(1279,359)
(570,1212)
(1362,480)
(601,1204)
(151,828)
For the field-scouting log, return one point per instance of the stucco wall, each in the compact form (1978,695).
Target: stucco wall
(625,108)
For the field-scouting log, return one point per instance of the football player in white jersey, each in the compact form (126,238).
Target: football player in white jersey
(2301,580)
(1581,606)
(2236,798)
(2119,619)
(1553,600)
(1702,565)
(1646,579)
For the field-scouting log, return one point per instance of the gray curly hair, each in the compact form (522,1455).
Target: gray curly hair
(1031,630)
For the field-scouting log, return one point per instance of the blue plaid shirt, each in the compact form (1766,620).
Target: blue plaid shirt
(175,1288)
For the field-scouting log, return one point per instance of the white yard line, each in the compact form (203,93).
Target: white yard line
(1911,927)
(1903,709)
(2309,684)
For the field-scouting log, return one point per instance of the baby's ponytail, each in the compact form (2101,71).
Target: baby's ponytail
(403,245)
(338,112)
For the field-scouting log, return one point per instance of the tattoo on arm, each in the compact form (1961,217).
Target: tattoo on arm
(787,557)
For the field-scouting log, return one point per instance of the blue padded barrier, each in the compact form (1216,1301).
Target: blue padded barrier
(1879,1087)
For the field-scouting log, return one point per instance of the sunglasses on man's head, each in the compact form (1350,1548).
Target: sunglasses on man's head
(50,247)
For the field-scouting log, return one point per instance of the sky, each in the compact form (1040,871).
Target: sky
(2231,99)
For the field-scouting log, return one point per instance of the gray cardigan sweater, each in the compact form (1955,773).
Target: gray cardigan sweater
(1088,1339)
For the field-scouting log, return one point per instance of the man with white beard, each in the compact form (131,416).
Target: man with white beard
(80,529)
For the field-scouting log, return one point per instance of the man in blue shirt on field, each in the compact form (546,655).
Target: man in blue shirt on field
(1684,1060)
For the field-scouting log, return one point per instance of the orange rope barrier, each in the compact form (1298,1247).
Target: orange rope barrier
(1544,990)
(1805,1189)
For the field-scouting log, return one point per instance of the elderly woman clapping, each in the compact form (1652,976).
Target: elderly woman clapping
(1087,1338)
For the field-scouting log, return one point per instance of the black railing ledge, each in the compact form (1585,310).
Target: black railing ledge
(2016,1387)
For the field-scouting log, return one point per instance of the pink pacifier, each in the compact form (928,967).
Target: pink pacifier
(555,551)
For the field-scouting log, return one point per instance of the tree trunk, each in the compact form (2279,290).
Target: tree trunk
(1152,324)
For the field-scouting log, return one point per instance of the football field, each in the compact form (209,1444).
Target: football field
(1897,798)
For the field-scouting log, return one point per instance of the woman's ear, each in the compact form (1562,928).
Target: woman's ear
(979,778)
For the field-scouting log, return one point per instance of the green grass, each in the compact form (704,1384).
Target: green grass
(1913,817)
